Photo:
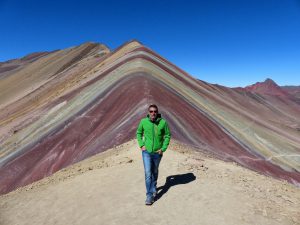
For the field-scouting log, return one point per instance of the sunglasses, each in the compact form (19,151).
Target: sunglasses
(152,111)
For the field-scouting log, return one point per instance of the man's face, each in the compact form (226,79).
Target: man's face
(153,113)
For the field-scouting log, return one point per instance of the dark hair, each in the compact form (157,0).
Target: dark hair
(152,106)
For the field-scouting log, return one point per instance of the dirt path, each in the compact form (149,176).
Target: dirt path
(109,189)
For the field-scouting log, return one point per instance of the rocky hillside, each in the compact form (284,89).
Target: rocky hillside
(194,188)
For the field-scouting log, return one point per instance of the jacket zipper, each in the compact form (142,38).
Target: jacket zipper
(152,136)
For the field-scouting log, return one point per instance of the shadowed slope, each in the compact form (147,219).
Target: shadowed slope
(101,107)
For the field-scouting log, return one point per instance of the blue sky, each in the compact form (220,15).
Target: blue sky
(230,42)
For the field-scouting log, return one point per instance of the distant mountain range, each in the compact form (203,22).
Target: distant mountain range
(292,90)
(60,107)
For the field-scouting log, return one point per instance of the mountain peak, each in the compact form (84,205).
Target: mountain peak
(268,87)
(269,81)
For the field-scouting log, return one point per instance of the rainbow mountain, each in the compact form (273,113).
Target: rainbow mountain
(60,107)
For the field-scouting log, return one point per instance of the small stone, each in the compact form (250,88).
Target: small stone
(265,213)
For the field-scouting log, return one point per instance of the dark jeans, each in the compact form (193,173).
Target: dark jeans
(151,163)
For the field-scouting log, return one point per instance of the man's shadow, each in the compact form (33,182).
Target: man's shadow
(172,181)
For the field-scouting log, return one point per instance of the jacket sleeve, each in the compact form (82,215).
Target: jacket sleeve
(167,138)
(139,134)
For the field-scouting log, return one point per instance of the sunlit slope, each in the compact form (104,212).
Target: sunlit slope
(33,75)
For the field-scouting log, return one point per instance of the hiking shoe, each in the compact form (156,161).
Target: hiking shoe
(149,201)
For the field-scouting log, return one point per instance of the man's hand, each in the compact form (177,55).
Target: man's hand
(143,148)
(160,152)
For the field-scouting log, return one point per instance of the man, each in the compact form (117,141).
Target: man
(153,137)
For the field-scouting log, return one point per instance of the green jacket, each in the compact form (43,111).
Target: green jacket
(156,134)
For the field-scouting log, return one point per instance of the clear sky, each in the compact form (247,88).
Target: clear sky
(229,42)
